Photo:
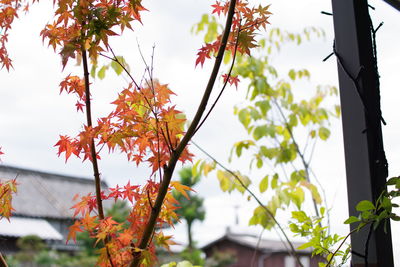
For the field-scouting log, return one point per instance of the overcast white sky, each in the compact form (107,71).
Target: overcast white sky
(33,114)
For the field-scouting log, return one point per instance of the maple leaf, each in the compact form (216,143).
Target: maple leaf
(115,193)
(232,79)
(66,145)
(163,93)
(126,237)
(165,240)
(181,188)
(73,229)
(106,227)
(1,152)
(202,55)
(79,106)
(130,191)
(86,205)
(7,189)
(218,8)
(89,222)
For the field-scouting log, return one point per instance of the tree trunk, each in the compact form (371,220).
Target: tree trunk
(189,229)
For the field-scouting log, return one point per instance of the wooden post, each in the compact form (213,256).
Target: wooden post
(366,165)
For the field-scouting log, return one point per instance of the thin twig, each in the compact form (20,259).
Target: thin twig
(270,214)
(341,244)
(225,83)
(303,160)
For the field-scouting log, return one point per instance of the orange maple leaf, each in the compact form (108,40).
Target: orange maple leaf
(181,188)
(73,229)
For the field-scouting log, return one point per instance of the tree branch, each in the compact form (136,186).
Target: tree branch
(93,152)
(3,262)
(303,160)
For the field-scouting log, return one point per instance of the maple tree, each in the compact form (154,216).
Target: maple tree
(144,124)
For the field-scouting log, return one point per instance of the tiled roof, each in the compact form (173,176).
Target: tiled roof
(18,227)
(42,194)
(254,242)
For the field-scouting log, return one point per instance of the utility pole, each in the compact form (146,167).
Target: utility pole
(366,165)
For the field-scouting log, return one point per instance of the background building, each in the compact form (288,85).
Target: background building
(252,251)
(42,207)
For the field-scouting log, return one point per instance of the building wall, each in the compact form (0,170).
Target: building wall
(244,256)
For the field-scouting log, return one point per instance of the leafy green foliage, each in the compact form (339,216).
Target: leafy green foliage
(191,206)
(118,69)
(276,115)
(333,247)
(319,239)
(381,211)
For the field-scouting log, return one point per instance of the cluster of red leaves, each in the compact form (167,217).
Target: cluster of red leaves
(245,23)
(122,239)
(87,24)
(7,189)
(232,80)
(74,84)
(144,126)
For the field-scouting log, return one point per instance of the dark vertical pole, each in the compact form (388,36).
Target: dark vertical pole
(366,166)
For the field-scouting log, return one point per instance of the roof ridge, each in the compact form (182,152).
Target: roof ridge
(45,174)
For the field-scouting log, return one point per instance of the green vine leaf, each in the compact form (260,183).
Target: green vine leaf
(365,205)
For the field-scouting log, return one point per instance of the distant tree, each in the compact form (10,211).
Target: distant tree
(191,209)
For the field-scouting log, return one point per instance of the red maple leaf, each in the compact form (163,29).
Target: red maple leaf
(233,80)
(79,106)
(66,145)
(218,8)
